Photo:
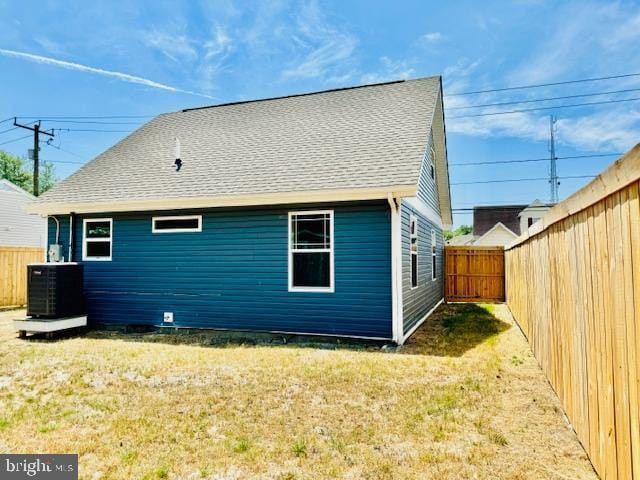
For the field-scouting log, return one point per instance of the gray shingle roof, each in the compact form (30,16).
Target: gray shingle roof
(372,136)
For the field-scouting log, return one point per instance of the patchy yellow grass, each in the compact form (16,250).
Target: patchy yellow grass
(464,399)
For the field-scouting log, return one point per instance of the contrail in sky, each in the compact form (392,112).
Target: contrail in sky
(125,77)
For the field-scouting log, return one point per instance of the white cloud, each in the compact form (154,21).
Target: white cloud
(456,78)
(519,125)
(431,37)
(322,58)
(48,44)
(327,49)
(588,40)
(125,77)
(390,70)
(216,51)
(601,131)
(621,133)
(220,44)
(178,48)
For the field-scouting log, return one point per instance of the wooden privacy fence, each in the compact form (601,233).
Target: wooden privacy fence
(474,274)
(573,285)
(13,273)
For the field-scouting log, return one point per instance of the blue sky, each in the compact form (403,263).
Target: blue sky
(143,58)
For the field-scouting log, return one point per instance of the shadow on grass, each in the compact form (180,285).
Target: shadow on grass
(454,329)
(210,338)
(450,331)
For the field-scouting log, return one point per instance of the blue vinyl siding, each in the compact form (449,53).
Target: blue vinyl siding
(418,301)
(427,189)
(234,274)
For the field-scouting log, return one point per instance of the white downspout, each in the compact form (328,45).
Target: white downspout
(396,270)
(70,236)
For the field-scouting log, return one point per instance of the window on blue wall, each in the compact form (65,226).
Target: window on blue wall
(181,224)
(311,251)
(413,250)
(434,261)
(97,239)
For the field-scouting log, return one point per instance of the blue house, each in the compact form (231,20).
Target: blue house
(318,214)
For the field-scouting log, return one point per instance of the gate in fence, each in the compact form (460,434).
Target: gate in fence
(474,274)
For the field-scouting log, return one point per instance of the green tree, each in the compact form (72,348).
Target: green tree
(13,169)
(47,176)
(20,173)
(461,230)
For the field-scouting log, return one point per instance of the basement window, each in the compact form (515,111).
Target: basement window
(413,250)
(188,223)
(434,260)
(97,239)
(311,260)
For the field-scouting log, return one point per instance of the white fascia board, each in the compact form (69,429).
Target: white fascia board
(315,196)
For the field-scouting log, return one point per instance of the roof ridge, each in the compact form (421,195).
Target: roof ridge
(305,94)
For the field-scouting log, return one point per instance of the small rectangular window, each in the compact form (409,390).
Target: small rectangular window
(413,250)
(311,251)
(434,259)
(432,166)
(97,239)
(190,223)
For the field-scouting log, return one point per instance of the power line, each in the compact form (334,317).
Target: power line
(64,150)
(14,127)
(603,102)
(16,139)
(526,160)
(91,130)
(6,120)
(64,161)
(8,130)
(521,179)
(53,117)
(538,85)
(534,100)
(92,122)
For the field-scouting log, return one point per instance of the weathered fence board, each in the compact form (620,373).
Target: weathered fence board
(13,273)
(474,274)
(573,285)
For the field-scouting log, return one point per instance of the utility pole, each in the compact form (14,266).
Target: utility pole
(553,172)
(36,151)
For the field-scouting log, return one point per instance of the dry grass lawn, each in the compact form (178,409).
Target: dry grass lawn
(464,399)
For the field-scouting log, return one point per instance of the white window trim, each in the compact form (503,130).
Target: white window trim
(291,251)
(177,230)
(86,240)
(412,219)
(434,253)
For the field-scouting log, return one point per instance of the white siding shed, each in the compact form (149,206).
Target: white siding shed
(17,227)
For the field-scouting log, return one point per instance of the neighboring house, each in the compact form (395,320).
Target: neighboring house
(317,213)
(534,212)
(499,225)
(498,235)
(17,227)
(485,218)
(461,240)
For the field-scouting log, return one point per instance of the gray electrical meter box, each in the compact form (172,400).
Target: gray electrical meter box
(55,253)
